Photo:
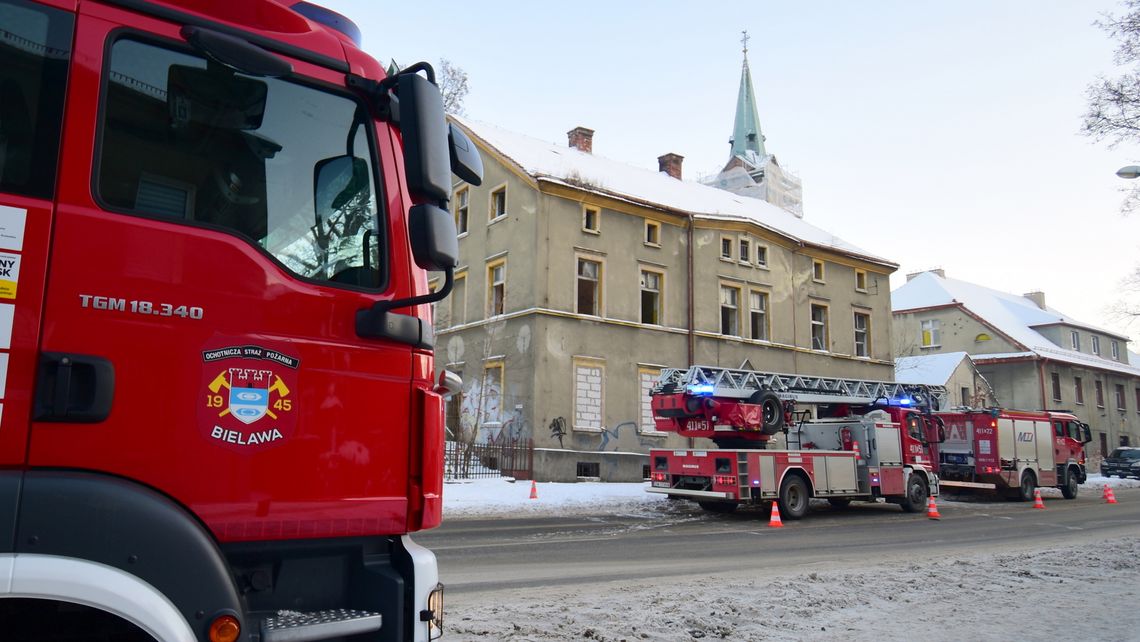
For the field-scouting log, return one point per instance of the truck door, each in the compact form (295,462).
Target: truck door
(199,328)
(34,56)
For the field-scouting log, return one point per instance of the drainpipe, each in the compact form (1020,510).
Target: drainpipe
(1041,380)
(689,293)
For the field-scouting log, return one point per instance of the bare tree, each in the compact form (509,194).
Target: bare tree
(453,86)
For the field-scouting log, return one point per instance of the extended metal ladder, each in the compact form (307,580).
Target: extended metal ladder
(742,384)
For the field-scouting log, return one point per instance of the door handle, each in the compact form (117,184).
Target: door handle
(75,388)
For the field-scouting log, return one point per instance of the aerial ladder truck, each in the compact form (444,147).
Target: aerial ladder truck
(846,439)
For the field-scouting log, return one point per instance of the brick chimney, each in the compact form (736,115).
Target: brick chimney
(670,164)
(1038,297)
(581,139)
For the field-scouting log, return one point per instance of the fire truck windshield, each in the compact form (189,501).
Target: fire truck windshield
(189,141)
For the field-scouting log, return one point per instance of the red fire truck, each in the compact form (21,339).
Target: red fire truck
(218,419)
(1013,452)
(868,440)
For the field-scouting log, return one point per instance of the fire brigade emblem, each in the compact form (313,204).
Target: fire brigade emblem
(249,398)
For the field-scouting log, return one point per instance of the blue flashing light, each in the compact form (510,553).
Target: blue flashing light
(701,389)
(903,401)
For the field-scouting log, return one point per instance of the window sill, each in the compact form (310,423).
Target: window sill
(586,429)
(652,433)
(762,266)
(497,219)
(861,291)
(727,259)
(589,231)
(648,244)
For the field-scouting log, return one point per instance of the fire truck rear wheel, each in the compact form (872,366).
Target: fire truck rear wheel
(1028,485)
(916,494)
(771,411)
(1071,487)
(794,497)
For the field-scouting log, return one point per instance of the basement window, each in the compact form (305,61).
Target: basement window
(589,470)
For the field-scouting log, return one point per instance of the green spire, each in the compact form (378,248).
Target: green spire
(746,134)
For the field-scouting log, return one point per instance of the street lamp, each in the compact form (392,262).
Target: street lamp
(1131,171)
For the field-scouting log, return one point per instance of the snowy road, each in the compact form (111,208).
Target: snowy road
(665,571)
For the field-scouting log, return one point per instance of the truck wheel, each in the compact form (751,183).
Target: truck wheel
(916,493)
(794,497)
(718,507)
(1069,490)
(771,411)
(1028,485)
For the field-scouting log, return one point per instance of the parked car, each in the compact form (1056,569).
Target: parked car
(1122,461)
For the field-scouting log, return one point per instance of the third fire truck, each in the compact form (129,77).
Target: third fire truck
(869,440)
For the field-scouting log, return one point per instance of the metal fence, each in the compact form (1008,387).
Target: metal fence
(507,458)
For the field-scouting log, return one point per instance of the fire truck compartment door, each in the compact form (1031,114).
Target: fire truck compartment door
(840,475)
(766,465)
(887,446)
(1044,443)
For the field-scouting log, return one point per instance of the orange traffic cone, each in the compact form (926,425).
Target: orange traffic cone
(775,521)
(1037,503)
(932,509)
(1111,499)
(533,490)
(1104,493)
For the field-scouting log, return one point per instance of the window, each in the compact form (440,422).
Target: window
(862,334)
(1120,397)
(1099,393)
(651,297)
(1095,343)
(1078,390)
(729,310)
(646,380)
(589,287)
(590,216)
(490,396)
(817,273)
(1075,338)
(589,391)
(498,203)
(1056,380)
(461,210)
(459,300)
(652,233)
(819,327)
(758,315)
(966,396)
(1115,347)
(931,333)
(33,71)
(496,288)
(249,171)
(745,251)
(861,280)
(762,256)
(725,248)
(1138,400)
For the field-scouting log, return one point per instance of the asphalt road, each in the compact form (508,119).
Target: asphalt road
(678,539)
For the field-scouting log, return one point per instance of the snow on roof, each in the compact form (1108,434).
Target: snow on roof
(567,165)
(932,369)
(1014,316)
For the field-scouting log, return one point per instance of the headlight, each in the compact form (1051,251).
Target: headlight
(433,614)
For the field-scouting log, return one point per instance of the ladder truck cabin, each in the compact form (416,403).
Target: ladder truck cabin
(1013,452)
(868,441)
(218,415)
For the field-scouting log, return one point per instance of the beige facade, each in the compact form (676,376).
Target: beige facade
(1075,367)
(568,305)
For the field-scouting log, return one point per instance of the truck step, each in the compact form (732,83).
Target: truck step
(298,626)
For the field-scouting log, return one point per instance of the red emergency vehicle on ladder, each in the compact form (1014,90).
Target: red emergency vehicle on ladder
(869,440)
(218,419)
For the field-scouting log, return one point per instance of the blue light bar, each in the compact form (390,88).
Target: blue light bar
(903,401)
(701,389)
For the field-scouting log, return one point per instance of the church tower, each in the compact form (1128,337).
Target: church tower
(752,171)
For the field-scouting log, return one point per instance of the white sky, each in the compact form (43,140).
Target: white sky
(934,134)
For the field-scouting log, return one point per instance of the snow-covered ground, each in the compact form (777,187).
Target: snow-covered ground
(499,497)
(1086,590)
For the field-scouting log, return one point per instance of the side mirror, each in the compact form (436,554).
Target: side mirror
(427,159)
(1086,434)
(941,435)
(435,244)
(466,163)
(338,182)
